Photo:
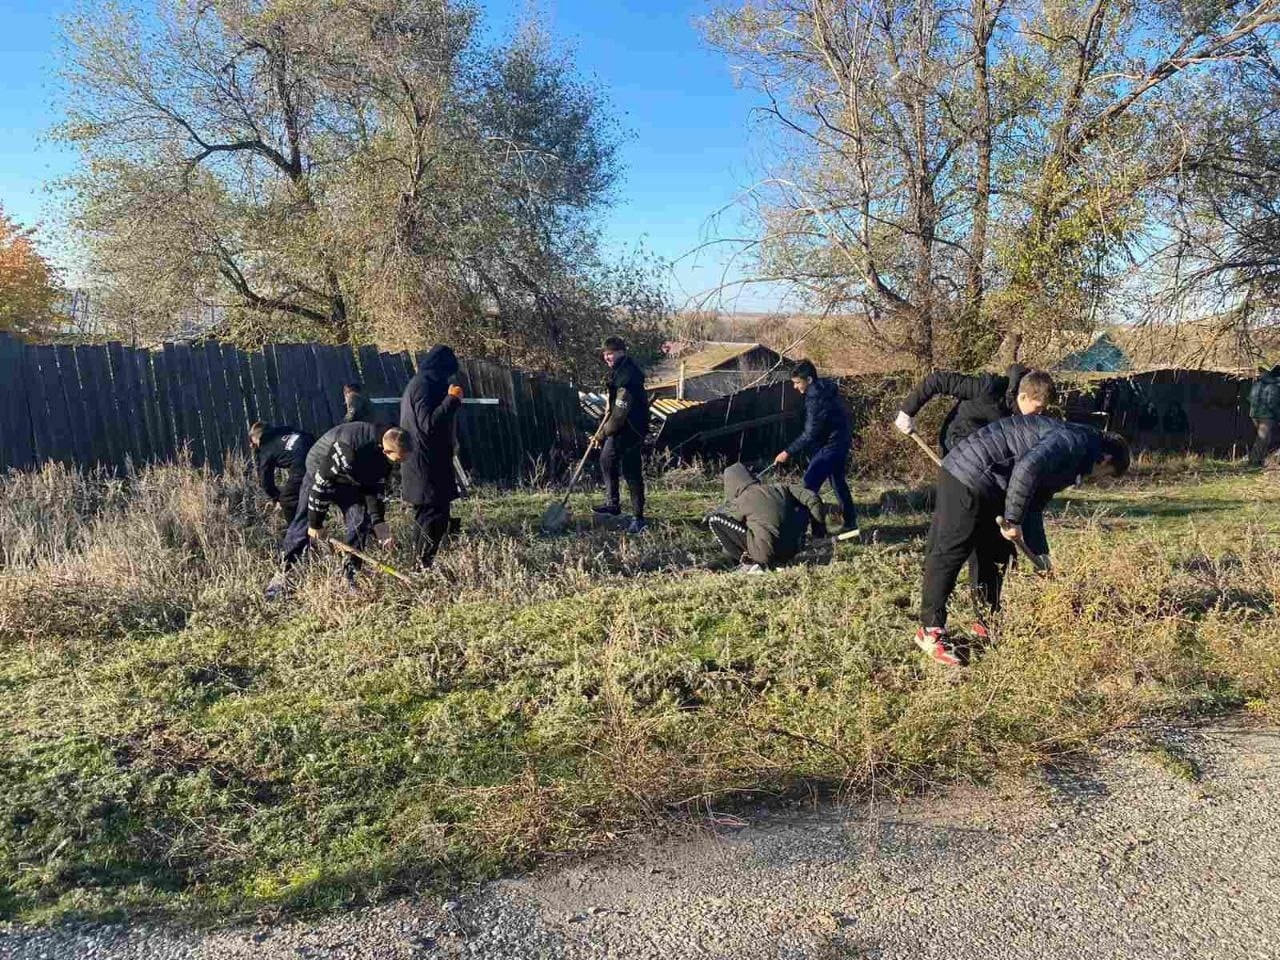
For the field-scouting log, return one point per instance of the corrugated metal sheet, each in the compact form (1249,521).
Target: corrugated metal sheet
(594,405)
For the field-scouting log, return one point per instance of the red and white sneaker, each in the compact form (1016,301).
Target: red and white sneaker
(980,631)
(935,642)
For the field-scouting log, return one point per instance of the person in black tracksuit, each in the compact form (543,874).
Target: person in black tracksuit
(764,524)
(623,432)
(428,410)
(281,448)
(980,400)
(346,468)
(828,438)
(1009,469)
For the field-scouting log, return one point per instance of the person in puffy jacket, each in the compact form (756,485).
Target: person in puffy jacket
(622,434)
(428,410)
(346,468)
(1264,408)
(764,524)
(980,400)
(827,438)
(281,448)
(1008,470)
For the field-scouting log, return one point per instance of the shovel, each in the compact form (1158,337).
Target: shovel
(556,517)
(1039,564)
(364,557)
(925,447)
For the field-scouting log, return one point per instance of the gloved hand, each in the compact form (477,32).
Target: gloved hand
(315,533)
(905,422)
(1010,531)
(783,457)
(455,391)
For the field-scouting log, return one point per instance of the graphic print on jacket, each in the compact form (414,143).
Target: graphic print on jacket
(349,455)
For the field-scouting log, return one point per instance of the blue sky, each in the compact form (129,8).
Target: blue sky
(689,152)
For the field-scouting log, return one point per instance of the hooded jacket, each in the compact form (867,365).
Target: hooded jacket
(428,413)
(1020,462)
(982,400)
(826,422)
(776,515)
(628,401)
(1264,396)
(282,448)
(348,460)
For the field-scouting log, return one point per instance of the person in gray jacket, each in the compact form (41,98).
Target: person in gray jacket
(764,524)
(1264,408)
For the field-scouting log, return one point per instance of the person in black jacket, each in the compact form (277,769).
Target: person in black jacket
(428,410)
(829,435)
(764,524)
(1009,470)
(281,448)
(625,426)
(980,400)
(347,468)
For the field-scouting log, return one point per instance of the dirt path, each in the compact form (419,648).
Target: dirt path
(1121,857)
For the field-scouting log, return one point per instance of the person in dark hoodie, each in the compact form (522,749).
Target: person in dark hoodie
(763,525)
(622,434)
(980,400)
(1264,409)
(828,438)
(1008,472)
(281,448)
(428,410)
(346,468)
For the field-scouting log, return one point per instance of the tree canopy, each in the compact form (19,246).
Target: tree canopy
(30,293)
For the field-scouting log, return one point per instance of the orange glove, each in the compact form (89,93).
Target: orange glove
(455,391)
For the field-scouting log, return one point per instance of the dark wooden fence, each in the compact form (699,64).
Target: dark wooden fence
(748,425)
(111,405)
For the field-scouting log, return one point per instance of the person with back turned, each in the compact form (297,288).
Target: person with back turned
(347,468)
(980,399)
(827,438)
(623,432)
(428,410)
(281,448)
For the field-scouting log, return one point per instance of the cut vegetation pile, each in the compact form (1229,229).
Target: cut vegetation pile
(167,740)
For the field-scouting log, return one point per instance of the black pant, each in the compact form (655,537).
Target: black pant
(731,533)
(622,454)
(353,505)
(963,524)
(289,493)
(430,528)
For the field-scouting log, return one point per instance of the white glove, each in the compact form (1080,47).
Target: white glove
(905,423)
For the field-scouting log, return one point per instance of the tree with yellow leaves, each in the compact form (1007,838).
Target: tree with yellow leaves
(29,290)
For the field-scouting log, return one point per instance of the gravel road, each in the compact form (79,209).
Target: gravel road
(1119,856)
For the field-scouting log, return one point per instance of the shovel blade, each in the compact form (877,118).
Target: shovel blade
(556,518)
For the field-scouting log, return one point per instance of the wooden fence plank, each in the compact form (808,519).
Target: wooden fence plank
(170,422)
(127,401)
(64,376)
(161,440)
(268,408)
(100,409)
(186,401)
(332,375)
(238,418)
(46,407)
(213,445)
(17,442)
(229,429)
(283,387)
(371,375)
(248,397)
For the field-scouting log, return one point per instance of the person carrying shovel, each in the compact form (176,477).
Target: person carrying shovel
(346,468)
(622,434)
(992,490)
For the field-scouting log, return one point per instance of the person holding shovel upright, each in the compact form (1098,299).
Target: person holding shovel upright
(346,468)
(622,434)
(428,410)
(992,490)
(827,432)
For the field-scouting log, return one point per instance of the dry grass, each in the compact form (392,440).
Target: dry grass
(173,742)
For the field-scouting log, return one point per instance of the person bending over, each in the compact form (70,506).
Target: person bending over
(764,524)
(428,411)
(347,468)
(1010,470)
(281,448)
(828,436)
(625,426)
(981,400)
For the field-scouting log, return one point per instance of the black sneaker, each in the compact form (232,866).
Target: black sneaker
(637,526)
(607,509)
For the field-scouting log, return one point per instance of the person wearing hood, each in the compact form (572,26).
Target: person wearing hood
(281,448)
(992,491)
(1264,408)
(626,424)
(980,400)
(828,438)
(428,410)
(763,525)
